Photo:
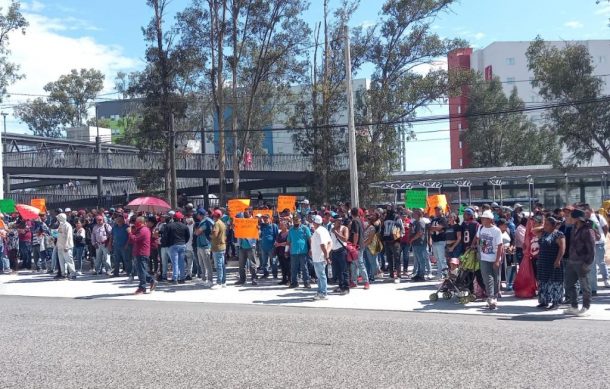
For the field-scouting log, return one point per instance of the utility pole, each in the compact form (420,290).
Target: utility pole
(351,128)
(98,149)
(173,187)
(206,189)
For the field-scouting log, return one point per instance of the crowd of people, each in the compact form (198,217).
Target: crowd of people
(337,245)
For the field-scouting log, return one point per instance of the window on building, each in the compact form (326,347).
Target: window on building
(510,80)
(510,61)
(459,109)
(461,163)
(459,126)
(460,144)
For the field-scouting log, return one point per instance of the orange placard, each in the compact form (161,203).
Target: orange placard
(437,200)
(40,204)
(262,212)
(2,225)
(286,202)
(246,228)
(237,206)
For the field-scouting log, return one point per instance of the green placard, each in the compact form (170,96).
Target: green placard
(461,209)
(415,198)
(7,205)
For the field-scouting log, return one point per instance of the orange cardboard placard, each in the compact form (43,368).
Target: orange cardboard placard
(237,206)
(246,228)
(262,212)
(286,202)
(40,204)
(437,200)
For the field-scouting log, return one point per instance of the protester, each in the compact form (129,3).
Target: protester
(356,237)
(437,228)
(582,255)
(320,255)
(177,236)
(283,255)
(550,269)
(490,246)
(339,237)
(219,246)
(203,233)
(65,244)
(139,237)
(100,238)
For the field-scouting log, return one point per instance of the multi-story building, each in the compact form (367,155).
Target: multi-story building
(507,61)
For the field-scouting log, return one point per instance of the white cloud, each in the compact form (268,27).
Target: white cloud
(573,24)
(605,10)
(32,6)
(479,35)
(435,65)
(44,54)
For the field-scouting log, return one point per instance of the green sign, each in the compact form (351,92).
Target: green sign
(461,209)
(415,198)
(7,205)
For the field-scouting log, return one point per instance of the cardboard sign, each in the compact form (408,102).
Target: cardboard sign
(415,198)
(246,228)
(262,212)
(7,206)
(2,225)
(286,202)
(437,200)
(237,206)
(40,204)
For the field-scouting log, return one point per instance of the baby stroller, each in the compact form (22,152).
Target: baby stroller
(456,284)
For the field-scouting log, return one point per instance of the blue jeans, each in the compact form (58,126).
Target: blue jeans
(266,257)
(404,250)
(600,252)
(339,257)
(370,261)
(177,253)
(359,266)
(6,264)
(77,253)
(165,258)
(421,256)
(298,262)
(121,255)
(320,267)
(438,249)
(221,273)
(143,274)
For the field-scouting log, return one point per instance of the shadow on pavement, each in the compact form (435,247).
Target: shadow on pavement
(104,295)
(284,301)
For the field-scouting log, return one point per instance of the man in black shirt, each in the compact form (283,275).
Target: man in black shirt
(438,224)
(177,234)
(356,236)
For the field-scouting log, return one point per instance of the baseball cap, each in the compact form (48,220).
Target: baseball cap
(171,213)
(179,215)
(487,215)
(305,201)
(317,219)
(217,213)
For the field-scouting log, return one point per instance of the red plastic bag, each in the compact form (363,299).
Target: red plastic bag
(525,282)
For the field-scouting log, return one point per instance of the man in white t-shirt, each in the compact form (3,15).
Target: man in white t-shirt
(320,255)
(489,243)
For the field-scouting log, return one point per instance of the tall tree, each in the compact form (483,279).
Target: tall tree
(582,118)
(68,103)
(10,21)
(499,134)
(402,45)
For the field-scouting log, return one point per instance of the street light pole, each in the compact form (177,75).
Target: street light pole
(4,114)
(351,128)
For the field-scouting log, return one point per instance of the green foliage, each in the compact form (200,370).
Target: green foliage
(403,49)
(11,20)
(70,98)
(506,139)
(567,75)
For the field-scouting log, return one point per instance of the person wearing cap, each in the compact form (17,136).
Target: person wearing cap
(417,241)
(219,246)
(177,236)
(268,235)
(305,209)
(491,251)
(100,239)
(320,255)
(437,228)
(204,256)
(139,237)
(339,235)
(118,242)
(298,240)
(247,257)
(580,259)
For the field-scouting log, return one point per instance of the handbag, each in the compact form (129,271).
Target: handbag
(352,249)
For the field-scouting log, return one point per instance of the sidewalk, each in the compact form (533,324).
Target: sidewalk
(405,296)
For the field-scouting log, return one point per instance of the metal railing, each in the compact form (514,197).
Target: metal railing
(126,161)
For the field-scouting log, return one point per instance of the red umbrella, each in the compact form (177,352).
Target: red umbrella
(27,212)
(149,204)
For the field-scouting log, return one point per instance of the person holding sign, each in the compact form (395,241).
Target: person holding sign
(246,255)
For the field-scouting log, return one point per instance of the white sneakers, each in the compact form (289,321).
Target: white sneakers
(583,312)
(606,284)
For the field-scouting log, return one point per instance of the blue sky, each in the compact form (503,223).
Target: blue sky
(106,34)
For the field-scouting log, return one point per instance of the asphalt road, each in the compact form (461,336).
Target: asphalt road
(68,343)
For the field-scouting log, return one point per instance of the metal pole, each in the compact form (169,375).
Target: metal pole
(172,164)
(98,149)
(4,114)
(353,161)
(206,200)
(567,189)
